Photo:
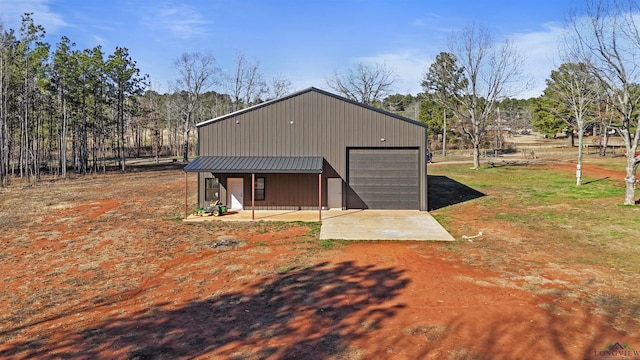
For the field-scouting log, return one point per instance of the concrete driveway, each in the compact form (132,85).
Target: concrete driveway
(353,224)
(384,225)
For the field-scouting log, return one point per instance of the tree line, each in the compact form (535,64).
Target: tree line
(62,107)
(84,110)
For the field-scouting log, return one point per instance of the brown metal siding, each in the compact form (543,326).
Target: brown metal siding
(322,126)
(288,191)
(282,191)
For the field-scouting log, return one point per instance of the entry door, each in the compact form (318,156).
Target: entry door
(334,193)
(235,193)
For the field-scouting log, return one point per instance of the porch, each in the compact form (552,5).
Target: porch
(352,224)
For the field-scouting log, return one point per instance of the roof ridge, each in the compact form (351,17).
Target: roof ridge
(300,92)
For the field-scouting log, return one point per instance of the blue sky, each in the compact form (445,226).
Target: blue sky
(304,40)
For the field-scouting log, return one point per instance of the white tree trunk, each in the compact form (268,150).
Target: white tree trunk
(630,178)
(579,166)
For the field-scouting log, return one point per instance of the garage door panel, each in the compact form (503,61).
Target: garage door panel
(381,163)
(374,189)
(394,168)
(385,178)
(397,183)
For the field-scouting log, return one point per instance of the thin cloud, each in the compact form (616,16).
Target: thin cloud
(541,52)
(11,12)
(181,20)
(409,65)
(100,40)
(428,19)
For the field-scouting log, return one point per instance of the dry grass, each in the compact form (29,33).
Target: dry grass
(99,268)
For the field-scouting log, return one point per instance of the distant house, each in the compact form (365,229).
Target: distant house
(310,150)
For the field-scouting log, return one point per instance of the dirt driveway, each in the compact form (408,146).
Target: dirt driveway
(102,268)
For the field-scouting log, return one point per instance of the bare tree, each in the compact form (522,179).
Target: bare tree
(247,83)
(150,109)
(606,118)
(574,92)
(491,72)
(364,83)
(197,74)
(280,86)
(607,38)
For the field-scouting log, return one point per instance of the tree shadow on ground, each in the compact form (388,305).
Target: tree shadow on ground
(311,313)
(595,181)
(502,331)
(597,330)
(444,191)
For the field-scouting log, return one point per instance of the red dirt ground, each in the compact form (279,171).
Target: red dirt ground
(99,270)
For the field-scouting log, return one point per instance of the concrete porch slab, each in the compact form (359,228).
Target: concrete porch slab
(353,224)
(272,215)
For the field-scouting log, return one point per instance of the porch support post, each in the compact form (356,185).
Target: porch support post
(186,194)
(320,196)
(253,196)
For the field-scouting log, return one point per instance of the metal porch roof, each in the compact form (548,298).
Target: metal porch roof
(257,164)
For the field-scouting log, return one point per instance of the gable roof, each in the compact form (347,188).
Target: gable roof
(310,89)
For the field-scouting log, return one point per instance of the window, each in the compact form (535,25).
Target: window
(259,189)
(211,189)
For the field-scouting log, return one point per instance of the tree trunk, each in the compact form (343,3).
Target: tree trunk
(631,146)
(83,146)
(444,132)
(570,139)
(579,166)
(630,181)
(38,148)
(476,154)
(138,139)
(4,170)
(605,143)
(2,175)
(185,155)
(156,142)
(121,125)
(63,140)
